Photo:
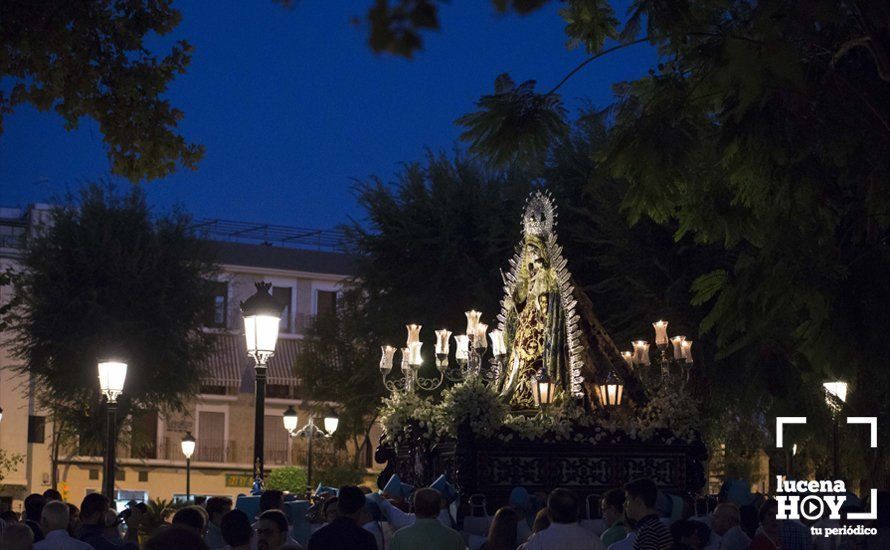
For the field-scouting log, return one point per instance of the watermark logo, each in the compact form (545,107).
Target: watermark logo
(819,499)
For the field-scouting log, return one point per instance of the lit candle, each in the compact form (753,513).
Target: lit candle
(414,353)
(472,320)
(413,333)
(443,339)
(661,333)
(686,346)
(638,346)
(498,347)
(677,341)
(386,358)
(481,332)
(628,358)
(406,359)
(463,347)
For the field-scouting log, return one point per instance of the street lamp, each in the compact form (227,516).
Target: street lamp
(835,396)
(262,315)
(112,374)
(310,430)
(188,447)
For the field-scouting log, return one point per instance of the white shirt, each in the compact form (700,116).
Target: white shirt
(735,539)
(398,519)
(627,543)
(564,535)
(374,528)
(61,540)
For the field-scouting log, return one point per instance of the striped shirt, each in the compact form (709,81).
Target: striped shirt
(652,534)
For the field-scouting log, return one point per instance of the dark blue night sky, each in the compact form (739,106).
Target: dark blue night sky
(293,106)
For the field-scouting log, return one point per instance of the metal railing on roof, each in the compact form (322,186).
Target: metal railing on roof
(266,233)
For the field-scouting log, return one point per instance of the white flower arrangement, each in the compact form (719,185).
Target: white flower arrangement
(473,403)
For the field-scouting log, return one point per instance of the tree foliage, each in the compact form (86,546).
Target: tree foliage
(90,59)
(102,278)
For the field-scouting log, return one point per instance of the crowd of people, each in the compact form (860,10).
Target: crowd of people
(635,517)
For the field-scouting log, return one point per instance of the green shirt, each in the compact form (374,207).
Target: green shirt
(427,534)
(613,534)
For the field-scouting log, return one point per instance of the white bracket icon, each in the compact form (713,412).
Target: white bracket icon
(870,420)
(780,423)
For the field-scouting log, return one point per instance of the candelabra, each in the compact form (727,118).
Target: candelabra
(469,357)
(672,366)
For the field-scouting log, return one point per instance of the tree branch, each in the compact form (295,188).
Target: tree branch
(592,58)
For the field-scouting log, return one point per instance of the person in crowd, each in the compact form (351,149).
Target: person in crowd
(686,534)
(52,494)
(612,506)
(344,531)
(371,518)
(748,521)
(33,507)
(794,535)
(640,496)
(330,509)
(73,518)
(54,523)
(768,536)
(727,523)
(542,521)
(627,543)
(9,517)
(271,499)
(235,530)
(175,537)
(398,519)
(191,518)
(216,508)
(502,533)
(199,501)
(17,536)
(427,532)
(92,528)
(564,530)
(272,532)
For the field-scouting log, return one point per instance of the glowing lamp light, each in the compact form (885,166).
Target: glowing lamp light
(290,419)
(481,340)
(462,341)
(188,445)
(112,375)
(686,347)
(628,357)
(1,414)
(794,450)
(611,392)
(544,390)
(414,357)
(330,424)
(677,341)
(406,359)
(473,317)
(262,317)
(413,334)
(661,334)
(498,347)
(641,352)
(836,393)
(443,341)
(387,353)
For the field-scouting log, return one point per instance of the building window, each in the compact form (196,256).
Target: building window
(281,391)
(144,443)
(211,436)
(94,474)
(275,440)
(217,311)
(214,390)
(143,476)
(325,303)
(36,429)
(120,475)
(283,295)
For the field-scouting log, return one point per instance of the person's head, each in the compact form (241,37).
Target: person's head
(216,508)
(352,502)
(110,522)
(684,532)
(542,521)
(17,536)
(92,509)
(726,516)
(235,529)
(271,499)
(73,518)
(612,506)
(190,518)
(271,530)
(767,516)
(9,517)
(562,506)
(330,509)
(502,532)
(640,496)
(427,503)
(33,506)
(177,537)
(52,494)
(54,516)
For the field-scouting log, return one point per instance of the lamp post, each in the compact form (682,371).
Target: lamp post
(262,315)
(188,447)
(309,431)
(835,396)
(112,374)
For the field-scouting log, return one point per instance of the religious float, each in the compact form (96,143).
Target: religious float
(546,399)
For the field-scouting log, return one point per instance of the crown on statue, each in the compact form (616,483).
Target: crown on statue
(539,217)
